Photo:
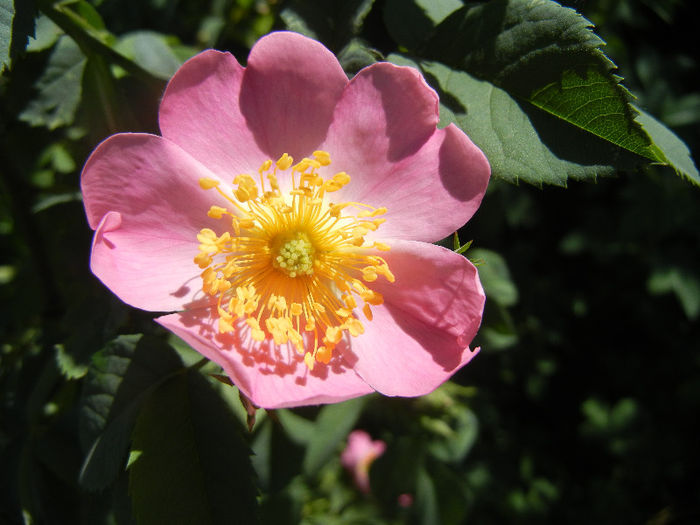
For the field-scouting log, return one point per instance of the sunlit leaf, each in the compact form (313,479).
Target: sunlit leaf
(548,57)
(16,26)
(674,149)
(7,14)
(84,16)
(520,142)
(68,365)
(46,35)
(150,51)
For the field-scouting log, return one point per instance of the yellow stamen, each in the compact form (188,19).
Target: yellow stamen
(292,267)
(207,184)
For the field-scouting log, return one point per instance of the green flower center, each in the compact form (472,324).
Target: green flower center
(294,255)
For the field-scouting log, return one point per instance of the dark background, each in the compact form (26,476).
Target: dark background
(587,389)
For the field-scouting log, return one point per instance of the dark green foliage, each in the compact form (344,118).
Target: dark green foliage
(59,90)
(582,405)
(188,462)
(333,22)
(119,380)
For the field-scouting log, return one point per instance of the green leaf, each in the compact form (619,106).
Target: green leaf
(194,467)
(7,14)
(452,491)
(68,365)
(453,435)
(57,157)
(451,426)
(333,22)
(426,503)
(106,372)
(151,51)
(59,88)
(357,55)
(546,54)
(674,149)
(119,379)
(299,429)
(333,424)
(81,22)
(278,456)
(495,277)
(498,330)
(411,22)
(81,15)
(683,283)
(520,142)
(16,26)
(498,333)
(46,35)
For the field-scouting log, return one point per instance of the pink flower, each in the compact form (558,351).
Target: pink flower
(405,500)
(359,455)
(285,215)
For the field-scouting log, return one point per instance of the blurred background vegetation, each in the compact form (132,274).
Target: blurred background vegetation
(583,404)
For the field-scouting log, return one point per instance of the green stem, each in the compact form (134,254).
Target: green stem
(199,364)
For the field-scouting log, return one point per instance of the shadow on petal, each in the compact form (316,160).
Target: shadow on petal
(464,170)
(289,90)
(265,358)
(444,348)
(408,126)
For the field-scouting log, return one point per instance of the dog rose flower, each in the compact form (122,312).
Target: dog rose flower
(285,217)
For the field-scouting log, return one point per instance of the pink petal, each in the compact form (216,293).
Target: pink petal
(384,136)
(386,114)
(142,197)
(361,448)
(359,455)
(290,89)
(270,377)
(442,187)
(419,337)
(200,112)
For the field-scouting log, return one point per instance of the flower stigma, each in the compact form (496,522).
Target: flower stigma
(292,266)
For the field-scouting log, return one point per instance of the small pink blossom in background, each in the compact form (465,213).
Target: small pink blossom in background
(358,456)
(144,197)
(405,500)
